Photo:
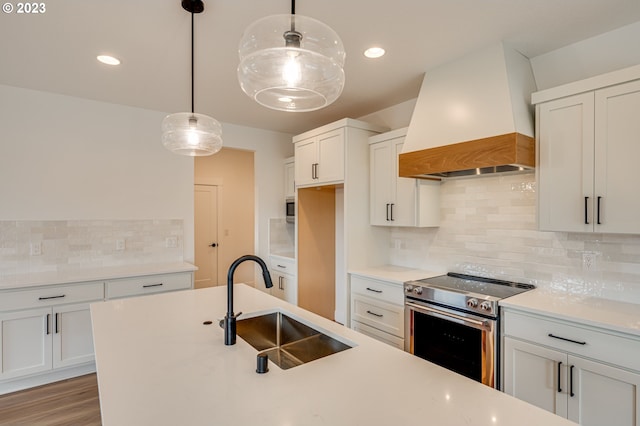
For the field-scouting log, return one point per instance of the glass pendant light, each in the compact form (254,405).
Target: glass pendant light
(291,63)
(188,133)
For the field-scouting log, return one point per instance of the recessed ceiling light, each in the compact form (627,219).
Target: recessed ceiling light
(374,52)
(109,60)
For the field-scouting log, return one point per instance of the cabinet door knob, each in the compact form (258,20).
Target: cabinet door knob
(213,245)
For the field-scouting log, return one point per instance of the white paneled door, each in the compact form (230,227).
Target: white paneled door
(206,235)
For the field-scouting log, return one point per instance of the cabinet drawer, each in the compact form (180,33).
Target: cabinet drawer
(378,290)
(147,285)
(381,315)
(583,341)
(51,295)
(283,265)
(381,336)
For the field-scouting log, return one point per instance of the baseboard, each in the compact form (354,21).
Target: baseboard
(21,383)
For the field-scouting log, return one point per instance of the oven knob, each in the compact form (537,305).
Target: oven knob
(485,306)
(472,303)
(417,290)
(408,288)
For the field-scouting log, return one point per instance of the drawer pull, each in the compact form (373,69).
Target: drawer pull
(567,340)
(282,266)
(152,285)
(52,297)
(374,314)
(374,290)
(559,367)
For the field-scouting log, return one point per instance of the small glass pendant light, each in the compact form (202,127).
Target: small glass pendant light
(188,133)
(291,63)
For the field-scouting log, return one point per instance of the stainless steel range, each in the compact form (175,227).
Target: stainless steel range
(453,320)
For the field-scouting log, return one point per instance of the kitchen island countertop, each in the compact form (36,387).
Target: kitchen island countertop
(158,364)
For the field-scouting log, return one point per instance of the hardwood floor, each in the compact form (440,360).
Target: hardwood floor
(72,402)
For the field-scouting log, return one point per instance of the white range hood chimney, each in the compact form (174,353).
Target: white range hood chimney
(473,116)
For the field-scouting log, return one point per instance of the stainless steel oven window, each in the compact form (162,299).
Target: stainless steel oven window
(462,342)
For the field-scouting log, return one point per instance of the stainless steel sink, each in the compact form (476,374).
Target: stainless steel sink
(287,342)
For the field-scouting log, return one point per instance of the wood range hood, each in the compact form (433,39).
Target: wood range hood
(508,153)
(473,117)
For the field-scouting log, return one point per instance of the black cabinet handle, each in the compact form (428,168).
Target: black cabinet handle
(392,219)
(152,285)
(213,245)
(387,212)
(571,381)
(374,290)
(598,212)
(374,314)
(52,297)
(567,340)
(56,327)
(559,368)
(48,324)
(586,208)
(282,266)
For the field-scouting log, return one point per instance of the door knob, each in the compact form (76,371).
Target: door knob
(213,245)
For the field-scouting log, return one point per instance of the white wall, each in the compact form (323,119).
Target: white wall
(607,52)
(66,158)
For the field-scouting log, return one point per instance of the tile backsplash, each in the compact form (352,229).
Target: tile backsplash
(75,244)
(488,227)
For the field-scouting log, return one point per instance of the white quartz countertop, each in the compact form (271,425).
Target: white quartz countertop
(394,274)
(609,314)
(20,281)
(159,365)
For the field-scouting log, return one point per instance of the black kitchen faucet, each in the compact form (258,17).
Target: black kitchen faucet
(230,318)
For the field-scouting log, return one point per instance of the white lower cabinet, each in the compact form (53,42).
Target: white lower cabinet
(46,333)
(283,277)
(573,378)
(377,309)
(72,335)
(49,330)
(149,284)
(25,346)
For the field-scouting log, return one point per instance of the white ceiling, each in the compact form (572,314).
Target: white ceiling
(56,51)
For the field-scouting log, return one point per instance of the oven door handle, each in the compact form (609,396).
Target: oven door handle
(425,309)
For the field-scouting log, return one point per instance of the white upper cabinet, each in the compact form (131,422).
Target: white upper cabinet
(587,151)
(320,159)
(398,201)
(289,178)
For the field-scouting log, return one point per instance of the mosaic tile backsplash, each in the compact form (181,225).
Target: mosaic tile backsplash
(488,227)
(75,244)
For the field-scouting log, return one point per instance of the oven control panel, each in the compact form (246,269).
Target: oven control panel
(459,300)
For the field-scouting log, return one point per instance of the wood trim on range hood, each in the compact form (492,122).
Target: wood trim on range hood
(509,152)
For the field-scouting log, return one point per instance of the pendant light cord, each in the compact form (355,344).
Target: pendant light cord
(293,7)
(192,66)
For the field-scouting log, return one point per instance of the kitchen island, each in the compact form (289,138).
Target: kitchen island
(159,364)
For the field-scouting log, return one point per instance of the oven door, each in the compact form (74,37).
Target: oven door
(459,341)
